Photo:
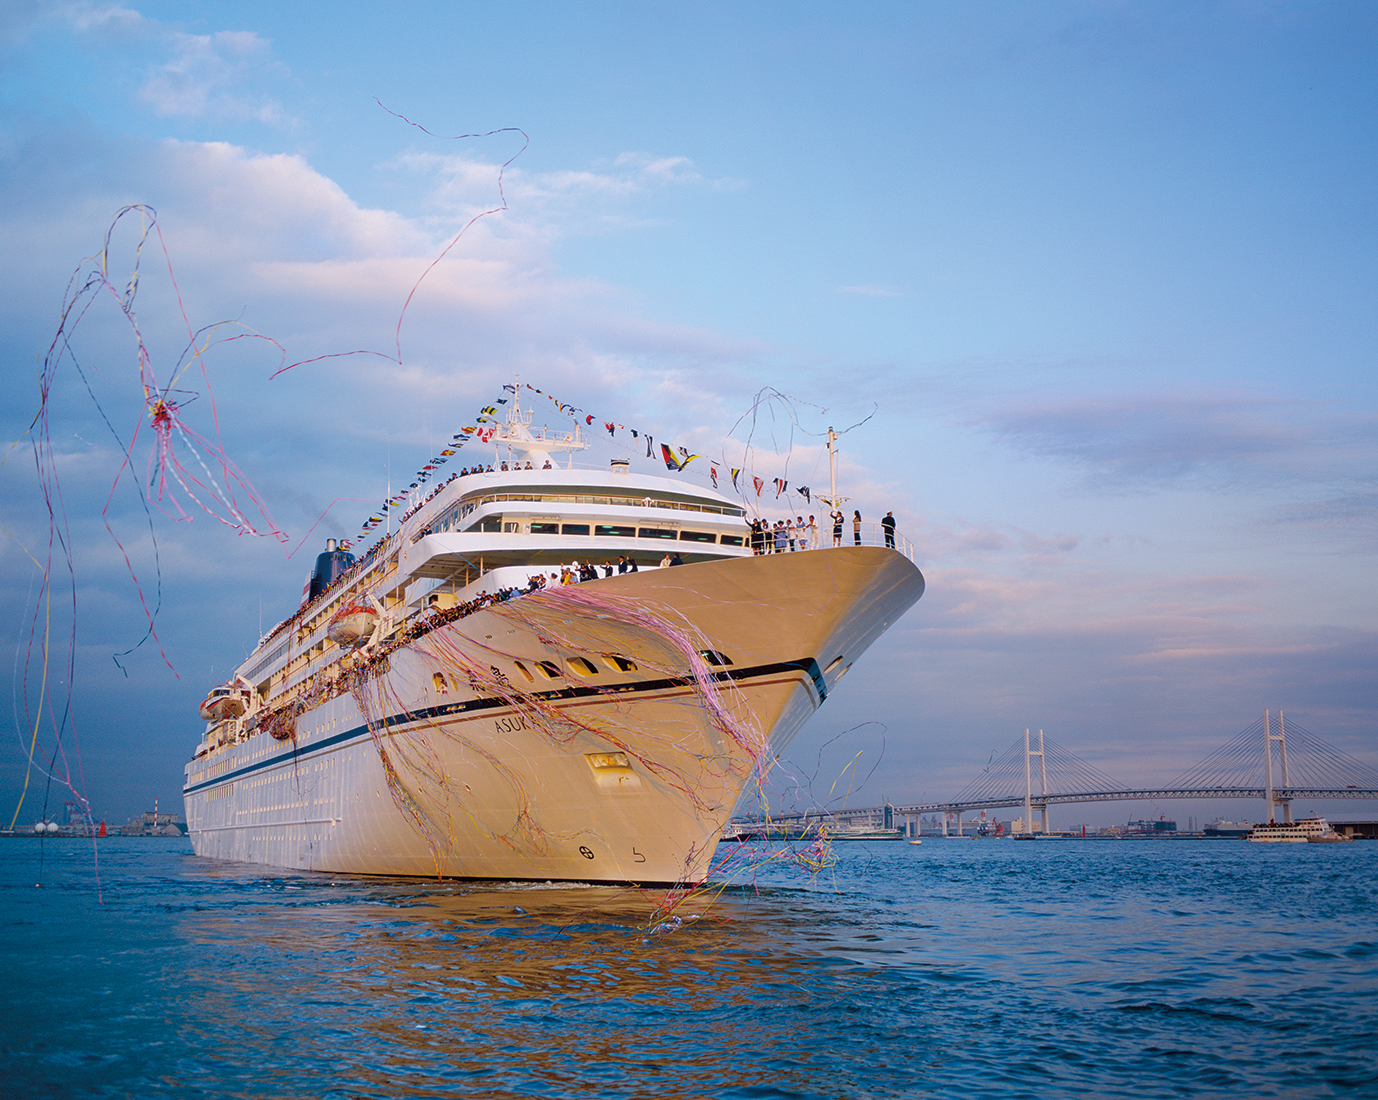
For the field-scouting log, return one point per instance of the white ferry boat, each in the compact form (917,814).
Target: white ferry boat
(446,706)
(1312,829)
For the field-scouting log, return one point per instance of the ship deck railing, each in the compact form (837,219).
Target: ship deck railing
(605,499)
(871,534)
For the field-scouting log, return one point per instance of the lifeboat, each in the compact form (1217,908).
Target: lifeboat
(352,626)
(227,701)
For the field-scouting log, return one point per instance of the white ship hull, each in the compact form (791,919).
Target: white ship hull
(589,771)
(1293,832)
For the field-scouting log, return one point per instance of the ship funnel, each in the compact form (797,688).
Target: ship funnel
(330,566)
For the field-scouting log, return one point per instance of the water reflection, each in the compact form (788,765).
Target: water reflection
(403,988)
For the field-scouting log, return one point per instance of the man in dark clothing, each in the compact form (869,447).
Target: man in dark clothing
(889,524)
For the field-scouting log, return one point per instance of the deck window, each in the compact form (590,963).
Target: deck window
(697,536)
(731,540)
(545,528)
(655,533)
(612,530)
(581,666)
(550,669)
(575,529)
(714,657)
(620,663)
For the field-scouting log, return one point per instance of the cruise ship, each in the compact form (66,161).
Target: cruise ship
(457,702)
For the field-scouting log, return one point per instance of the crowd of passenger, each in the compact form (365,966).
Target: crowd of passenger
(784,535)
(574,573)
(788,535)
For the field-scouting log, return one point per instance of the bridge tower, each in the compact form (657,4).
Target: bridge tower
(1281,738)
(1028,783)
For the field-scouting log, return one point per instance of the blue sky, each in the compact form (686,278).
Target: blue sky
(1101,276)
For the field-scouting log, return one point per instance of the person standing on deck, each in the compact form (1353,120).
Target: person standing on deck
(889,524)
(856,527)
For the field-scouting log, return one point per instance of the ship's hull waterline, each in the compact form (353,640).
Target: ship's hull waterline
(592,769)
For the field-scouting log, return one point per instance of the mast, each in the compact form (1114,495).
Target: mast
(832,466)
(832,499)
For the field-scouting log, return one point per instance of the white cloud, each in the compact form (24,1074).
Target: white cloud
(560,202)
(105,18)
(201,75)
(207,75)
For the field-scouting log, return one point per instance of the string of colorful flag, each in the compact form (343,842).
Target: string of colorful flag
(676,459)
(668,454)
(487,415)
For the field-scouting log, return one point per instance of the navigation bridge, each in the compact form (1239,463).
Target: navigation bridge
(1035,773)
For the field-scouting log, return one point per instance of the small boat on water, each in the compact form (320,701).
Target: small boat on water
(1315,830)
(864,833)
(1331,837)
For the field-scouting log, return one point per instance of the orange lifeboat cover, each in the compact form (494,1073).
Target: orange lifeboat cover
(352,626)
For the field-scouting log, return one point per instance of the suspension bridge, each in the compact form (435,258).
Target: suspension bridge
(1036,773)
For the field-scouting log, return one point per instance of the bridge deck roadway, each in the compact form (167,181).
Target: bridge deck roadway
(1281,794)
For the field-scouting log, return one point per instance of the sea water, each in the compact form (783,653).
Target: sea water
(987,968)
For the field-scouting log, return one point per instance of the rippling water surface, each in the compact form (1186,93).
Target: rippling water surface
(976,968)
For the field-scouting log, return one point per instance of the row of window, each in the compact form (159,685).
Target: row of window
(582,666)
(609,530)
(456,513)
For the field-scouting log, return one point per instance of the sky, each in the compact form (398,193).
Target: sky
(1088,288)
